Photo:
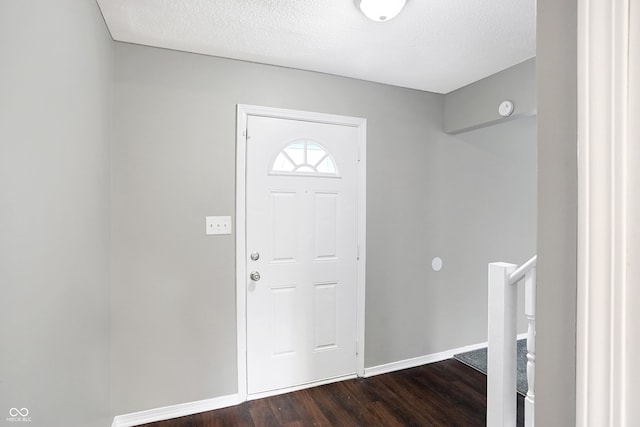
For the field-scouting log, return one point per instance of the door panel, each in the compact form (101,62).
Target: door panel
(301,212)
(284,230)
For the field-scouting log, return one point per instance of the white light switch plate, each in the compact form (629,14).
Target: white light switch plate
(218,225)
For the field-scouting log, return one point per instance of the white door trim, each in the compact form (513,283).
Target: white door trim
(243,112)
(608,209)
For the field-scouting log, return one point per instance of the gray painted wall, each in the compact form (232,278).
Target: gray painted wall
(55,85)
(557,212)
(469,199)
(476,105)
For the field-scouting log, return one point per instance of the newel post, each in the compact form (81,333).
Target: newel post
(501,356)
(530,313)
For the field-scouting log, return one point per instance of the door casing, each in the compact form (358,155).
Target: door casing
(243,112)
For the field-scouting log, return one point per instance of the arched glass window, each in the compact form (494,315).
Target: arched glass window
(304,157)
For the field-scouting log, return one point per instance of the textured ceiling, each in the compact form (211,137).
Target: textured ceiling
(433,45)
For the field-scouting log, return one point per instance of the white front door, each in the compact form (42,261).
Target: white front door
(302,250)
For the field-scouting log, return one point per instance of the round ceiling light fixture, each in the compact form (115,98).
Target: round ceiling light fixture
(381,10)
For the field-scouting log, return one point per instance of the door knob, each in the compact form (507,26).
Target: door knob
(255,276)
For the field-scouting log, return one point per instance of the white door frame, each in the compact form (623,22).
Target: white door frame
(608,211)
(243,112)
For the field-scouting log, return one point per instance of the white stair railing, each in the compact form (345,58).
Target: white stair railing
(501,355)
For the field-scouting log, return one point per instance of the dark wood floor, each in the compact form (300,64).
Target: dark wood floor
(446,393)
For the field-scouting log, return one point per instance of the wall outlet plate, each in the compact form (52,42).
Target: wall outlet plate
(218,225)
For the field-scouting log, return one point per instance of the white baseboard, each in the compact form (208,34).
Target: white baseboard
(174,411)
(183,409)
(423,360)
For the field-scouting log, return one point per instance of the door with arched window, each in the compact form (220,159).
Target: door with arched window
(301,241)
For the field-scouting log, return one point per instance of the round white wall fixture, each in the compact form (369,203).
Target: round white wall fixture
(436,264)
(505,109)
(381,10)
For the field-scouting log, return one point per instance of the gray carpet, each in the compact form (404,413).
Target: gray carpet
(477,359)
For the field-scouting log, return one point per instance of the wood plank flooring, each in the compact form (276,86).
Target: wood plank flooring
(446,393)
